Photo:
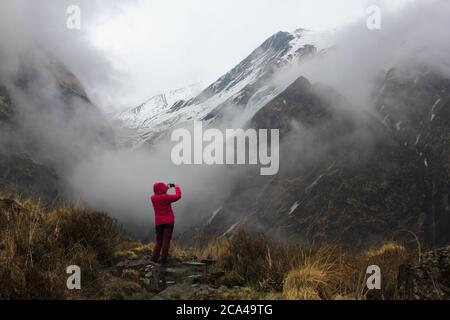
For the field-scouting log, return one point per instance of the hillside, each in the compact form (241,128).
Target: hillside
(47,123)
(352,179)
(350,175)
(354,175)
(36,246)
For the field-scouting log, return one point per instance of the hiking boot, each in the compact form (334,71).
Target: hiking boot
(154,259)
(163,260)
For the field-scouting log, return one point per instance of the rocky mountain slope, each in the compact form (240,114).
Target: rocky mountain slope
(38,103)
(246,87)
(349,174)
(351,179)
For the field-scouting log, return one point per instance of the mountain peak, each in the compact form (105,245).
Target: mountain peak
(247,85)
(279,40)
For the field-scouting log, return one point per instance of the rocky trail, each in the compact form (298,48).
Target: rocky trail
(180,279)
(187,278)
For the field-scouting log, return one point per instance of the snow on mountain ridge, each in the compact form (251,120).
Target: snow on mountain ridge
(134,117)
(245,85)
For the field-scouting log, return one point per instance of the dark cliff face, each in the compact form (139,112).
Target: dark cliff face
(299,102)
(416,112)
(354,180)
(19,172)
(41,96)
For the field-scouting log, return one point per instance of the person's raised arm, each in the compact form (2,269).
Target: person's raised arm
(177,196)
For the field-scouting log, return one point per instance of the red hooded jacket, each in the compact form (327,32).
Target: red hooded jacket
(162,203)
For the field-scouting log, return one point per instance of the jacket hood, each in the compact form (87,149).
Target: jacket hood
(160,188)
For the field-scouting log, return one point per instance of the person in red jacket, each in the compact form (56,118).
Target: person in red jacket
(164,218)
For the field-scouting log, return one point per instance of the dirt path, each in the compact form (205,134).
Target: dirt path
(184,280)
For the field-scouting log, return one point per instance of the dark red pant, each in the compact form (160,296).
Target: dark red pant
(163,237)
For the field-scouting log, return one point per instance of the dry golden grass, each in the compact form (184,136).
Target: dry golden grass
(303,283)
(304,273)
(388,249)
(216,250)
(388,257)
(36,246)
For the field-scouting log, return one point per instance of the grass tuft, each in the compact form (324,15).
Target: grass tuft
(37,244)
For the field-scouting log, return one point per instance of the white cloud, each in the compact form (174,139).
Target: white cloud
(159,45)
(163,44)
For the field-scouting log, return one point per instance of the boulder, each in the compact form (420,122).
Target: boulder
(428,279)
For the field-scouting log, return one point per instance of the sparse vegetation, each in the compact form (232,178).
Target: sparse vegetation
(36,245)
(297,272)
(123,289)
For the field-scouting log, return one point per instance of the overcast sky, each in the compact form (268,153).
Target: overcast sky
(130,50)
(166,44)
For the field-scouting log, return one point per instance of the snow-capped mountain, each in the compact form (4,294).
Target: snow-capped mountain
(371,177)
(135,117)
(247,86)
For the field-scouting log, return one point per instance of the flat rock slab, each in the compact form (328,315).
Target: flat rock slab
(174,270)
(195,264)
